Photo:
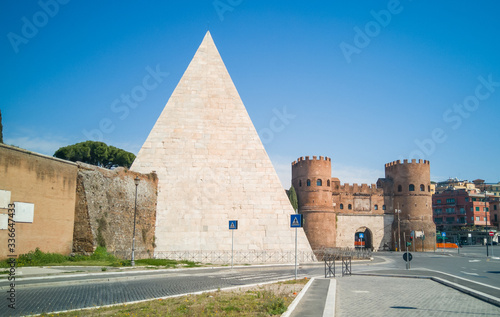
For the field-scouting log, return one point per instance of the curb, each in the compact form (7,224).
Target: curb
(297,299)
(477,294)
(330,299)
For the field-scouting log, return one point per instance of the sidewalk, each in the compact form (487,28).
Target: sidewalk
(369,295)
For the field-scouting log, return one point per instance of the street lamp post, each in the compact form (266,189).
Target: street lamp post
(398,211)
(136,182)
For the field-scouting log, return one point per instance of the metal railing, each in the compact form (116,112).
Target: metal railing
(263,256)
(241,257)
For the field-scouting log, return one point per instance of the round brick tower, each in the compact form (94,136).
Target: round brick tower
(412,195)
(311,179)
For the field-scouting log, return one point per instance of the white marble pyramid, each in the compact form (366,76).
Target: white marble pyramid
(212,168)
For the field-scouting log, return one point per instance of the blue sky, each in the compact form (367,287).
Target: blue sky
(363,82)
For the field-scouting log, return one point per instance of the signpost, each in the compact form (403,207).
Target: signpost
(233,225)
(407,257)
(296,222)
(406,253)
(361,236)
(491,233)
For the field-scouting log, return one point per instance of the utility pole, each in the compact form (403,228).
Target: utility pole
(399,230)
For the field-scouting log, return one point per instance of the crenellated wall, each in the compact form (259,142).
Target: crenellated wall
(408,183)
(370,207)
(311,179)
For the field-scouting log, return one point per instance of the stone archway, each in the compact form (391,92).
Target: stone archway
(363,238)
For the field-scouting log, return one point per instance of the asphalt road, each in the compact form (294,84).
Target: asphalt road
(49,294)
(65,293)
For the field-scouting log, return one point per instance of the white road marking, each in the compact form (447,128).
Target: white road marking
(479,283)
(472,261)
(475,274)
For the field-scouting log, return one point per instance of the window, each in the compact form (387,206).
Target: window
(486,209)
(308,182)
(438,201)
(319,182)
(349,206)
(375,207)
(477,218)
(477,208)
(328,183)
(496,218)
(462,210)
(473,199)
(411,188)
(300,183)
(422,188)
(466,199)
(429,188)
(400,188)
(438,220)
(494,207)
(450,200)
(484,218)
(341,206)
(450,210)
(438,211)
(450,219)
(461,220)
(383,207)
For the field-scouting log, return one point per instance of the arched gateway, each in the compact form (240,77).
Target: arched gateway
(363,238)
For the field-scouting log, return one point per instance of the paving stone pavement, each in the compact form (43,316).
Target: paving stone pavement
(392,296)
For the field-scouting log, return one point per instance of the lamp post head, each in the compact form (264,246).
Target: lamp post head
(137,180)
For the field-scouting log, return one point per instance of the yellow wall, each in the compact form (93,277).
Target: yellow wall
(49,184)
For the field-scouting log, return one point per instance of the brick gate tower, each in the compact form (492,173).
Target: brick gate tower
(311,179)
(408,185)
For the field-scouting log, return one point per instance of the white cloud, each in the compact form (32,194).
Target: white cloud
(345,173)
(356,174)
(284,171)
(43,145)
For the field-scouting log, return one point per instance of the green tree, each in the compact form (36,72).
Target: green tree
(96,153)
(292,196)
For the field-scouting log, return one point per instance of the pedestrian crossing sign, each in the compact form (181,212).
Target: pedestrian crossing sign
(233,224)
(296,221)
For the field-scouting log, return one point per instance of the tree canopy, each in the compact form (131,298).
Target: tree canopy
(292,196)
(96,153)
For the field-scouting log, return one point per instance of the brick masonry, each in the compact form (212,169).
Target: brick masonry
(104,212)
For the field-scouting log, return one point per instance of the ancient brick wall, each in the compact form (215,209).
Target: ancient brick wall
(104,211)
(45,189)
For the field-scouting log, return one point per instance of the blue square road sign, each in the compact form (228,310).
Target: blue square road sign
(233,224)
(296,221)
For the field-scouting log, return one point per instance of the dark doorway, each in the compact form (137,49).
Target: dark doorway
(363,239)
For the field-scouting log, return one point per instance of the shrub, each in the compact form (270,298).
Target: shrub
(37,258)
